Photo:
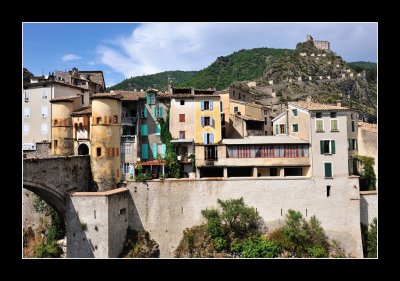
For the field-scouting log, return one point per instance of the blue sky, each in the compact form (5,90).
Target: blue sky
(123,50)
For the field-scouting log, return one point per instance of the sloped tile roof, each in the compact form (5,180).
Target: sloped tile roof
(312,106)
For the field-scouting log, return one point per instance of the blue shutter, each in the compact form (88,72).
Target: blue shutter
(333,146)
(160,112)
(143,130)
(210,104)
(148,99)
(145,151)
(205,138)
(202,105)
(211,121)
(164,150)
(145,112)
(155,112)
(202,121)
(158,129)
(328,170)
(154,148)
(211,138)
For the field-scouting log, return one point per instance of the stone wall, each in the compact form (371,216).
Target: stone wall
(369,206)
(43,150)
(166,208)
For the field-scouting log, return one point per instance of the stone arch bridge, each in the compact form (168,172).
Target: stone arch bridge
(52,178)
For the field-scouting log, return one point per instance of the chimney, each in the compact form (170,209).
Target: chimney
(339,103)
(169,88)
(135,90)
(141,90)
(309,99)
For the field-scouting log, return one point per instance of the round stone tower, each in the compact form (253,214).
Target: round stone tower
(105,140)
(61,125)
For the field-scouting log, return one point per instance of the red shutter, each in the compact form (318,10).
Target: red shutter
(117,153)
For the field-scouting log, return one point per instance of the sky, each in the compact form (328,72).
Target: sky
(124,50)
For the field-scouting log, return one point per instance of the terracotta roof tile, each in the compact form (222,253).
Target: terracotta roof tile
(106,96)
(83,111)
(130,95)
(65,98)
(151,162)
(317,106)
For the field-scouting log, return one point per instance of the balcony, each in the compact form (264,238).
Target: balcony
(128,138)
(210,153)
(129,121)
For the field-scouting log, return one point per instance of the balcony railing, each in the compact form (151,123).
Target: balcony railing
(129,121)
(131,138)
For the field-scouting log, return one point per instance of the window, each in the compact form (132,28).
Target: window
(234,94)
(115,119)
(98,151)
(158,129)
(352,144)
(318,114)
(265,112)
(127,148)
(333,114)
(293,172)
(44,94)
(294,112)
(44,129)
(181,117)
(158,112)
(151,98)
(26,112)
(143,130)
(99,120)
(82,99)
(352,116)
(143,113)
(181,134)
(295,128)
(26,129)
(334,125)
(244,96)
(222,119)
(240,96)
(328,169)
(44,111)
(328,190)
(208,138)
(126,168)
(282,129)
(273,172)
(266,120)
(26,94)
(55,144)
(235,109)
(220,106)
(353,126)
(182,102)
(267,151)
(206,105)
(117,151)
(319,124)
(206,121)
(117,173)
(327,147)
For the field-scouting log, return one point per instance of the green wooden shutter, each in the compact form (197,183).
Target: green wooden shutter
(143,130)
(154,148)
(148,99)
(145,112)
(333,145)
(277,129)
(145,151)
(355,144)
(321,143)
(284,129)
(155,112)
(328,170)
(160,112)
(158,129)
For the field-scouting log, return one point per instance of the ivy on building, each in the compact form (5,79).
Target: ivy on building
(173,168)
(367,170)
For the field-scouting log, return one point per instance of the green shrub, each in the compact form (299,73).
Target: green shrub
(372,239)
(220,244)
(317,251)
(52,250)
(259,247)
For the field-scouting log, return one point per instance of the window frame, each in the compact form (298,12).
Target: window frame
(295,112)
(182,118)
(323,125)
(182,102)
(206,102)
(328,162)
(297,128)
(330,152)
(337,124)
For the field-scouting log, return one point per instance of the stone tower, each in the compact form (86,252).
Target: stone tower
(309,38)
(105,142)
(61,125)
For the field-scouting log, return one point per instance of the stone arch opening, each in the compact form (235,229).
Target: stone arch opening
(83,149)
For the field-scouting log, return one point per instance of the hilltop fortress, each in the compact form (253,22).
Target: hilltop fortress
(322,45)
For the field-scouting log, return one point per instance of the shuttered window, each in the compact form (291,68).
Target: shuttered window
(334,125)
(328,170)
(145,151)
(143,130)
(319,124)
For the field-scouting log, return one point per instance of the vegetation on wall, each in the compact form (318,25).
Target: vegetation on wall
(49,248)
(370,239)
(238,231)
(139,245)
(367,170)
(172,166)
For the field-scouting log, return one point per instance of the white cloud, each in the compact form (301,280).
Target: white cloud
(91,63)
(70,57)
(155,47)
